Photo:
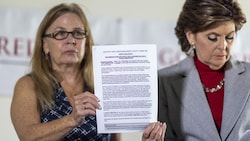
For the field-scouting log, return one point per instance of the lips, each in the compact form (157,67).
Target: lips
(220,55)
(71,51)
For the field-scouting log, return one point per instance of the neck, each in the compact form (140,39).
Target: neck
(67,73)
(72,84)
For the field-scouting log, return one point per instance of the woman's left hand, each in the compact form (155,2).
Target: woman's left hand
(154,132)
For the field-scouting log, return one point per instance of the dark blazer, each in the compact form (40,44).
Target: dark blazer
(184,107)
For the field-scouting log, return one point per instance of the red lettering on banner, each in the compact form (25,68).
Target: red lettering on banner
(21,47)
(29,47)
(3,45)
(18,45)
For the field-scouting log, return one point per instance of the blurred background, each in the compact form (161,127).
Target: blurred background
(112,22)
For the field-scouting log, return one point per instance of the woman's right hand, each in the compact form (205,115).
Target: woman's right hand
(85,104)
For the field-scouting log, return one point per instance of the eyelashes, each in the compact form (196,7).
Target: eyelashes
(215,39)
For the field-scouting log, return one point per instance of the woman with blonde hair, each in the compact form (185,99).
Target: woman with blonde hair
(57,96)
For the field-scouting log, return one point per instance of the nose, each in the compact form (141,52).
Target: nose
(223,44)
(70,39)
(70,35)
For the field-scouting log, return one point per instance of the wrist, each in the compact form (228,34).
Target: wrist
(71,120)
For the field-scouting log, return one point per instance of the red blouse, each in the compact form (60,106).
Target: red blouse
(210,79)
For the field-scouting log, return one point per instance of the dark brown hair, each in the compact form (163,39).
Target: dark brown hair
(201,15)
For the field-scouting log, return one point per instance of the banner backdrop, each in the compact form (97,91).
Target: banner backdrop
(18,29)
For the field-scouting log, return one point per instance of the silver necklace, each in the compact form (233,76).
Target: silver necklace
(215,89)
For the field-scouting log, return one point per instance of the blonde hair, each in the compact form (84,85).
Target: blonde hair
(41,72)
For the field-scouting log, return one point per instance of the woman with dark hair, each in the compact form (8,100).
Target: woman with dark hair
(56,100)
(205,97)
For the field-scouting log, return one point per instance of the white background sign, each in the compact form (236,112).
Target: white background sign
(18,29)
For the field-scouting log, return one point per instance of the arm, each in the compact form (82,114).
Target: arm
(26,117)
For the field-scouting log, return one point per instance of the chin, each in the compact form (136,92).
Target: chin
(217,66)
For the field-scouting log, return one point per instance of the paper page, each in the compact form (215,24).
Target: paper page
(125,80)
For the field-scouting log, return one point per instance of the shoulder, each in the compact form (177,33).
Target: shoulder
(24,82)
(245,67)
(238,65)
(246,64)
(24,96)
(182,68)
(24,88)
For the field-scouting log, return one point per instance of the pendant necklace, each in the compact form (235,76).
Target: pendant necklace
(215,89)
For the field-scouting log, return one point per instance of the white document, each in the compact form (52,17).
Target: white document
(125,80)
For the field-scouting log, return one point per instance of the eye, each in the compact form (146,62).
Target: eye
(60,33)
(79,33)
(212,38)
(229,38)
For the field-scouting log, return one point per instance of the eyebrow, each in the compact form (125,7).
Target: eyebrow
(62,28)
(217,34)
(58,28)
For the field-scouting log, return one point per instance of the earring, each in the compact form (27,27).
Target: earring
(190,51)
(47,56)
